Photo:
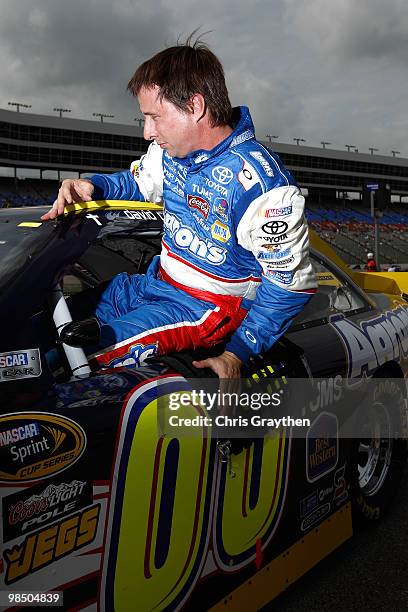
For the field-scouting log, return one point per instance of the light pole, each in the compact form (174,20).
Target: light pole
(270,136)
(140,121)
(102,116)
(19,104)
(297,140)
(395,153)
(348,147)
(372,149)
(324,143)
(62,110)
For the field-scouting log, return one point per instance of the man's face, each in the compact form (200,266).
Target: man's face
(174,130)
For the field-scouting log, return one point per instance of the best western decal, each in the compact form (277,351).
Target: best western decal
(50,544)
(36,445)
(322,446)
(37,506)
(20,364)
(373,342)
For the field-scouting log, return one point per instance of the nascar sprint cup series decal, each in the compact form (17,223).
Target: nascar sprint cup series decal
(20,364)
(36,445)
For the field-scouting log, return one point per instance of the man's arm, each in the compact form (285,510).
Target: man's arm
(274,229)
(71,190)
(144,181)
(118,186)
(281,247)
(226,365)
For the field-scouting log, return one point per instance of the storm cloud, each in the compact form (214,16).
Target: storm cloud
(319,70)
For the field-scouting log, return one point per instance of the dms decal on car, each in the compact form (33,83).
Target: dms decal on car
(35,445)
(322,446)
(37,506)
(50,544)
(373,342)
(171,481)
(327,392)
(20,364)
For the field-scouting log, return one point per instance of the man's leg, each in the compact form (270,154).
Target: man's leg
(153,328)
(141,316)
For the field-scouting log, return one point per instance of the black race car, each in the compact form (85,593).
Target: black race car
(108,509)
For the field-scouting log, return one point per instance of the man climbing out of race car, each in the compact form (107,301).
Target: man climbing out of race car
(235,255)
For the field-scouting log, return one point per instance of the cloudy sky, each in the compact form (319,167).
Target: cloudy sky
(316,69)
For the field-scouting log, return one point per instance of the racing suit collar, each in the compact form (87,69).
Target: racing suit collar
(243,129)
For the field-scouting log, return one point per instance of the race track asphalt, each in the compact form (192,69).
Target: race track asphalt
(368,572)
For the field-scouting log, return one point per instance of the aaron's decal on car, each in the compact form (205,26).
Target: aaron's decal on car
(374,342)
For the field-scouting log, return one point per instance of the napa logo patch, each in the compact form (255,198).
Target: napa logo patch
(220,231)
(37,445)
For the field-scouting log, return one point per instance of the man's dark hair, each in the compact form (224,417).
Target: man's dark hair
(185,70)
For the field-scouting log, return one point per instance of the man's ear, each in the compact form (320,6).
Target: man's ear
(198,106)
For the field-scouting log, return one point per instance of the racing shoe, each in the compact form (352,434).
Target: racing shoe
(81,333)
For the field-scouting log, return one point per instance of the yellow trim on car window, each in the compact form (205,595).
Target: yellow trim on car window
(112,204)
(29,224)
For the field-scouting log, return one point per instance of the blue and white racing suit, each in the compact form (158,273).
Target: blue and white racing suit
(235,254)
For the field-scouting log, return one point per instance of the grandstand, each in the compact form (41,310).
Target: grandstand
(41,145)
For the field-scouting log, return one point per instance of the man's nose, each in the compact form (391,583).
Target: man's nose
(149,131)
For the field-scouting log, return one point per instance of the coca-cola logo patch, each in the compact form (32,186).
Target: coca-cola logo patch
(199,204)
